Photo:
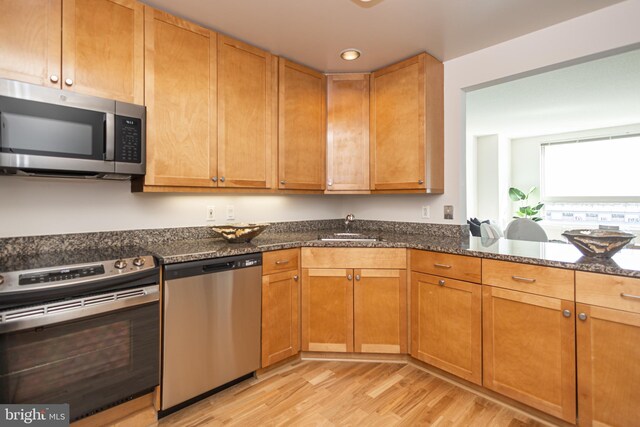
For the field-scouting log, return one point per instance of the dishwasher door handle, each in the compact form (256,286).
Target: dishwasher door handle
(212,268)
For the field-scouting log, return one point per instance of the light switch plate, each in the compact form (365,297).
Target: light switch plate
(448,212)
(211,213)
(426,212)
(231,213)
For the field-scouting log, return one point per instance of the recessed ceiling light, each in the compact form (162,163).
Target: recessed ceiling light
(350,54)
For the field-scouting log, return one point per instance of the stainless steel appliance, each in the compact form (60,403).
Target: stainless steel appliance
(53,132)
(212,312)
(83,334)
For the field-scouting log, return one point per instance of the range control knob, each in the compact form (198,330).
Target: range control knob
(120,264)
(138,261)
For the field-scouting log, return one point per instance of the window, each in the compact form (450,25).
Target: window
(603,169)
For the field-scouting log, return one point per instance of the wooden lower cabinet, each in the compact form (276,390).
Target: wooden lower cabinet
(446,325)
(529,350)
(380,311)
(327,310)
(608,371)
(280,316)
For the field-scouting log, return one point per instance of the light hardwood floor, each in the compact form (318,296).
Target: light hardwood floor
(347,393)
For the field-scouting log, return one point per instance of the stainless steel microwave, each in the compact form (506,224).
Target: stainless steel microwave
(53,132)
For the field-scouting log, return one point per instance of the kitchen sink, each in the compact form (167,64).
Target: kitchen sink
(348,237)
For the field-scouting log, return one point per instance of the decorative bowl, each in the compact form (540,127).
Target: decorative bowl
(598,243)
(239,233)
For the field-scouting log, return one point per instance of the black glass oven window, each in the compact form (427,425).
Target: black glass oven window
(89,363)
(29,127)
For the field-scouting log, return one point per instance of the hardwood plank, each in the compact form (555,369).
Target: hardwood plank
(347,393)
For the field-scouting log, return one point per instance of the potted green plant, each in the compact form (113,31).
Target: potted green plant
(525,210)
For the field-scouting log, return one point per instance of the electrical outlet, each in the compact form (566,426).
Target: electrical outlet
(231,213)
(211,213)
(426,212)
(448,212)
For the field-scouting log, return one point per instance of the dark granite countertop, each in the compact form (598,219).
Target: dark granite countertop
(625,263)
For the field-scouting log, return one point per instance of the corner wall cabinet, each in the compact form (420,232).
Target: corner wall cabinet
(348,133)
(94,47)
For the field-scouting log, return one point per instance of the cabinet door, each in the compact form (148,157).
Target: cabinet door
(30,40)
(327,310)
(529,350)
(380,311)
(103,48)
(181,102)
(348,132)
(301,127)
(247,104)
(407,126)
(280,316)
(608,372)
(446,325)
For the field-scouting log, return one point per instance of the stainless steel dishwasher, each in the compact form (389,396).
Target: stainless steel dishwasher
(211,332)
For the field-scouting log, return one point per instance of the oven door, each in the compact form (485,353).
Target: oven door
(100,357)
(43,129)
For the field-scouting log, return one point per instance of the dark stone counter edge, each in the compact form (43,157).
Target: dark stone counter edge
(593,266)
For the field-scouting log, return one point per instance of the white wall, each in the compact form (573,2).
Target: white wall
(610,28)
(40,206)
(487,178)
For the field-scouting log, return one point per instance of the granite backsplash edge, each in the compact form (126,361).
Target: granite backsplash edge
(11,246)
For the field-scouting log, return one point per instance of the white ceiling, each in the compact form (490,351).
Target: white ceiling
(313,32)
(592,95)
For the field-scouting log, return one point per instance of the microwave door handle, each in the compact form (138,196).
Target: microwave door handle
(109,137)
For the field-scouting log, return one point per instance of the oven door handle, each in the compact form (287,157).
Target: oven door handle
(75,309)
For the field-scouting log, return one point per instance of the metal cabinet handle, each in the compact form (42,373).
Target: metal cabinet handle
(357,277)
(441,282)
(68,82)
(349,277)
(222,179)
(330,182)
(54,78)
(420,182)
(582,316)
(282,261)
(214,179)
(441,265)
(295,277)
(283,182)
(566,313)
(623,295)
(523,279)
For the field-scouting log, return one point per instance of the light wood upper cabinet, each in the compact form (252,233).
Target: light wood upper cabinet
(301,127)
(280,316)
(181,102)
(380,311)
(30,40)
(327,310)
(446,324)
(247,115)
(529,349)
(103,48)
(407,126)
(348,133)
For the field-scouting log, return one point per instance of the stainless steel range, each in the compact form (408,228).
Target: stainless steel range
(84,334)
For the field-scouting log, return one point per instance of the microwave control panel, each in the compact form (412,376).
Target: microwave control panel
(128,139)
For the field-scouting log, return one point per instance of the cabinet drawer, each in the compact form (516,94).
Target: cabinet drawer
(534,279)
(454,266)
(354,258)
(617,292)
(277,261)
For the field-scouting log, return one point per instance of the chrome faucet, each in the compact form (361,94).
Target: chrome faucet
(348,220)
